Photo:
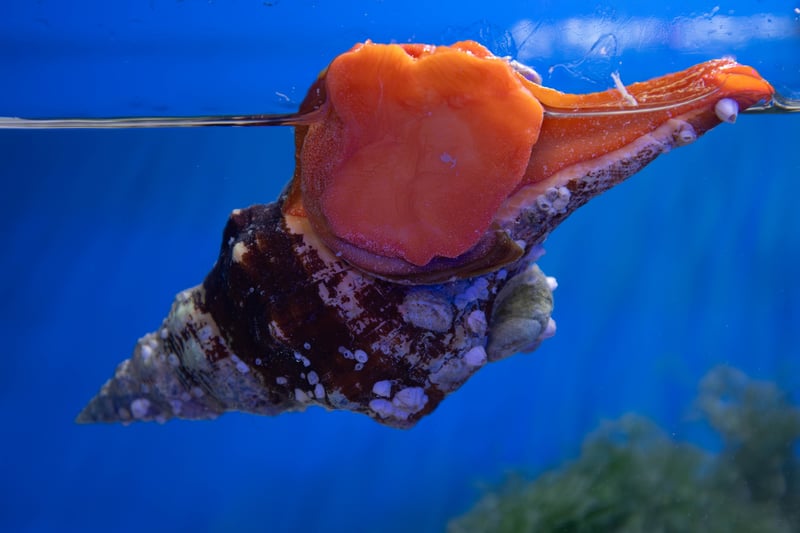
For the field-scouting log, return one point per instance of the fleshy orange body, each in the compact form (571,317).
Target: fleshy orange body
(420,146)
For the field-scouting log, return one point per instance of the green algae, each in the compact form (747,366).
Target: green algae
(632,477)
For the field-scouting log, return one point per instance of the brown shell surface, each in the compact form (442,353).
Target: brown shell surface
(280,324)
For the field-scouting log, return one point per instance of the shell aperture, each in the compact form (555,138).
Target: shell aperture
(419,148)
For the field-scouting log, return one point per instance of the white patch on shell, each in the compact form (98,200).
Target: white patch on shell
(361,356)
(477,290)
(241,366)
(405,403)
(475,356)
(382,388)
(205,333)
(277,333)
(176,406)
(319,391)
(281,380)
(239,249)
(313,378)
(147,352)
(427,309)
(451,374)
(383,408)
(727,109)
(139,407)
(341,297)
(476,322)
(549,330)
(411,399)
(301,396)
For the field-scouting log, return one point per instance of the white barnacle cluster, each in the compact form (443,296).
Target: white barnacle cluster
(317,390)
(359,356)
(139,407)
(241,366)
(427,309)
(454,371)
(146,351)
(405,402)
(301,396)
(554,201)
(476,322)
(302,359)
(476,290)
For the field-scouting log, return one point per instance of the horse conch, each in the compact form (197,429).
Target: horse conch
(401,257)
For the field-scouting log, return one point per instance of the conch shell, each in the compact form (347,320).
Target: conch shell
(401,257)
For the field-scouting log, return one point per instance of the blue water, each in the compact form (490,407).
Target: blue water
(692,263)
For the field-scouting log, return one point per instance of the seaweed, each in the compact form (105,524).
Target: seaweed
(632,477)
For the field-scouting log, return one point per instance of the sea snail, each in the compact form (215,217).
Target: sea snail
(401,257)
(424,158)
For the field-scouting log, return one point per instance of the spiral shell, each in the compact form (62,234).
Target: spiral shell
(280,324)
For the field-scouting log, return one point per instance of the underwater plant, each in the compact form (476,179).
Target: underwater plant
(632,477)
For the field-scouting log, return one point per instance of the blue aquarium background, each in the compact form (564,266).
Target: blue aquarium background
(692,263)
